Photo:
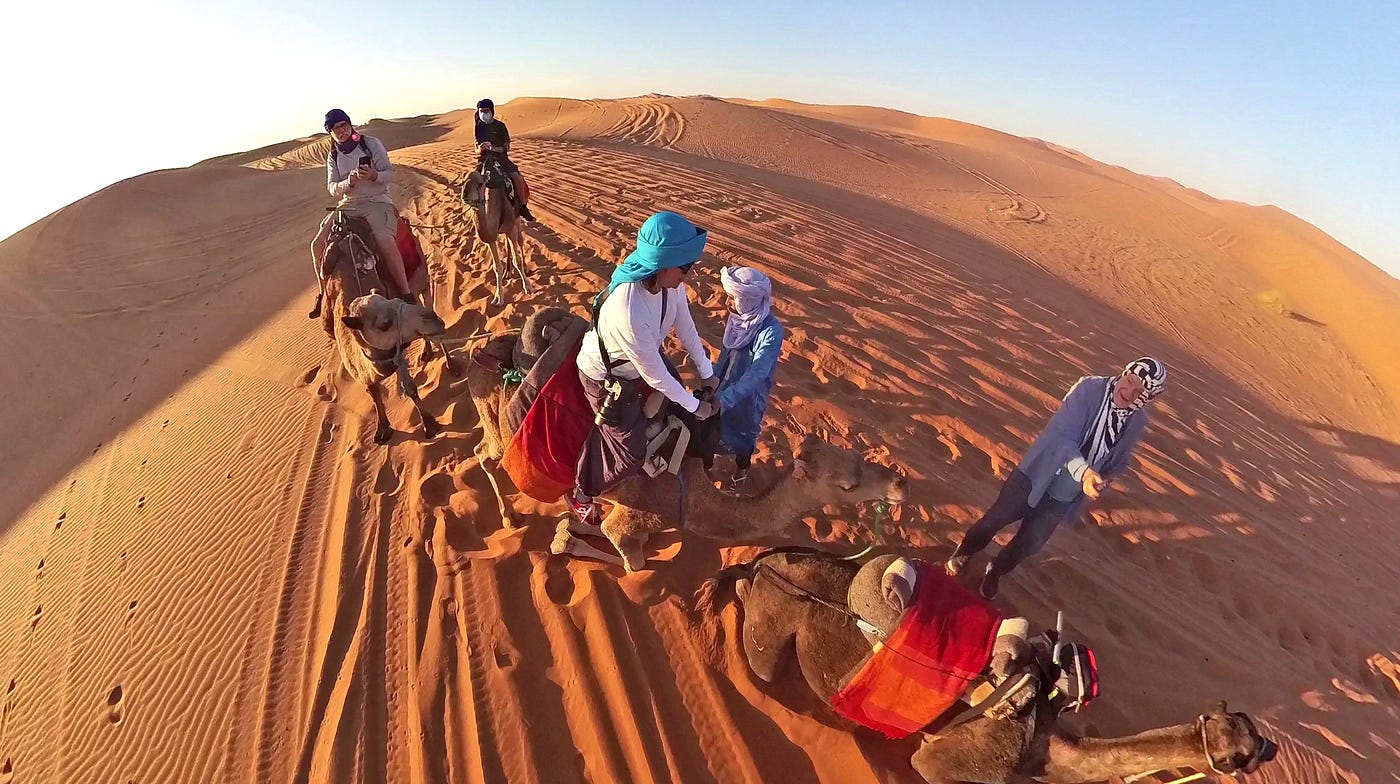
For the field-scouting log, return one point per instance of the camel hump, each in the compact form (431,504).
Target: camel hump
(541,329)
(496,353)
(880,593)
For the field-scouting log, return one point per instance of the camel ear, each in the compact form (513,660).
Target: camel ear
(353,322)
(550,334)
(799,469)
(1218,710)
(809,442)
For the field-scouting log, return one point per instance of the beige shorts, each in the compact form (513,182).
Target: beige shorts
(382,218)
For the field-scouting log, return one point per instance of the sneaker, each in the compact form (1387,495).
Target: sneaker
(955,564)
(990,583)
(583,508)
(738,483)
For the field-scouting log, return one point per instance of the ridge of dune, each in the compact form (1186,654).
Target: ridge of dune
(208,571)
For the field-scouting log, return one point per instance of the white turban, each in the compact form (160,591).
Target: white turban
(753,297)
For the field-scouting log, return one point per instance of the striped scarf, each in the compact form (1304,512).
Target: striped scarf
(1112,420)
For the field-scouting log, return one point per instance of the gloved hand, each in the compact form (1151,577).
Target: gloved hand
(710,384)
(707,409)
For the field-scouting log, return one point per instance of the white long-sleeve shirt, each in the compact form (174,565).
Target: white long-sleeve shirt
(633,329)
(340,164)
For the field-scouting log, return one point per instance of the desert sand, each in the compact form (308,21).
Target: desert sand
(209,573)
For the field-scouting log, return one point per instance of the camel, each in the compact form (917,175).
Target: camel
(371,331)
(496,218)
(820,475)
(779,621)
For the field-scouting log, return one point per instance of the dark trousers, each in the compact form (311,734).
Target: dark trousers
(613,452)
(1037,523)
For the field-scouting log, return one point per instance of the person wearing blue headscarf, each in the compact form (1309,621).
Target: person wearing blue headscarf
(748,360)
(646,301)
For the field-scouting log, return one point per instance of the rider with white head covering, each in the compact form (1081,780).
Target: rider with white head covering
(753,340)
(1087,444)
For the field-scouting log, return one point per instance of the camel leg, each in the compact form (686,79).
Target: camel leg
(629,545)
(577,526)
(453,366)
(507,515)
(431,428)
(427,354)
(318,250)
(566,543)
(496,266)
(517,256)
(385,431)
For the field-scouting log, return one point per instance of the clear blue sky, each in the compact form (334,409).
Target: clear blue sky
(1284,103)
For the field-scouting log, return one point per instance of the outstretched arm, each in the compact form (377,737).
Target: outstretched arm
(685,330)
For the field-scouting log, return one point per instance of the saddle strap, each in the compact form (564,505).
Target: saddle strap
(980,707)
(655,464)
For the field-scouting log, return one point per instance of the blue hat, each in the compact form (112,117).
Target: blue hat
(665,241)
(334,116)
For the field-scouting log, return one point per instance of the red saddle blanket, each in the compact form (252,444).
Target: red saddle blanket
(409,249)
(943,643)
(542,456)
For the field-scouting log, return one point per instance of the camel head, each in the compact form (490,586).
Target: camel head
(540,331)
(386,324)
(1231,742)
(831,475)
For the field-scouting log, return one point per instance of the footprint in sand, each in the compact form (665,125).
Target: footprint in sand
(115,699)
(7,772)
(436,489)
(309,375)
(131,609)
(387,481)
(558,581)
(34,619)
(326,391)
(59,523)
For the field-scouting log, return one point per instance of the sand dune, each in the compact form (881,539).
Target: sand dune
(211,574)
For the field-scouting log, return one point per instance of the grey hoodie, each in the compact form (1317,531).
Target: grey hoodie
(339,165)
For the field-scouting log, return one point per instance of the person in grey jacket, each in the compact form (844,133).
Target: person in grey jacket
(1086,445)
(358,172)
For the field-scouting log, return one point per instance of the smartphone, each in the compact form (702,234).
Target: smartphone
(364,160)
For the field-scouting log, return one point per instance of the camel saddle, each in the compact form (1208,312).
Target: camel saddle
(352,238)
(674,434)
(939,649)
(488,174)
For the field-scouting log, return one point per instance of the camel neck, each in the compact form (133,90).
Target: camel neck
(768,512)
(1097,759)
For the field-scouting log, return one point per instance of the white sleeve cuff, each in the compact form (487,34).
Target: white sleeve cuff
(1077,468)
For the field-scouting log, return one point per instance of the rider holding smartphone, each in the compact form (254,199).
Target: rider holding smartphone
(358,171)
